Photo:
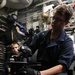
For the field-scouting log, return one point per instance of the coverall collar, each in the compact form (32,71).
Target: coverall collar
(57,40)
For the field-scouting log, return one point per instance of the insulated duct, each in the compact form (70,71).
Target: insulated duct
(3,3)
(18,4)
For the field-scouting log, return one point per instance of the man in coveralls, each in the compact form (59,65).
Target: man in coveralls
(55,47)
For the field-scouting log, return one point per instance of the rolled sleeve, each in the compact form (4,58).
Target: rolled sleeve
(67,54)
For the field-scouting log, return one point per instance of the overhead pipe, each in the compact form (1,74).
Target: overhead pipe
(24,1)
(3,3)
(44,2)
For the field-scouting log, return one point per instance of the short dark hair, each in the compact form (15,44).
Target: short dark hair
(14,42)
(64,10)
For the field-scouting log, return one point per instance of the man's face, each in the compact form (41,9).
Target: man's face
(15,49)
(58,22)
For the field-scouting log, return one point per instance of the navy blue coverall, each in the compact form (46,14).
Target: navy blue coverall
(52,53)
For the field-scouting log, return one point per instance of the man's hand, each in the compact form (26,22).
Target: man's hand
(9,70)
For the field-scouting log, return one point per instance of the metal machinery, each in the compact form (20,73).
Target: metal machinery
(2,50)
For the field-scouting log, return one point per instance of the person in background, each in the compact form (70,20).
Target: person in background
(55,47)
(15,48)
(15,55)
(30,36)
(37,30)
(15,32)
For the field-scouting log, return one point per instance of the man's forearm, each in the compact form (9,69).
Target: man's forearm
(52,71)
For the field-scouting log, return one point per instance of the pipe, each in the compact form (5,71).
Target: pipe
(60,1)
(44,2)
(25,1)
(3,3)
